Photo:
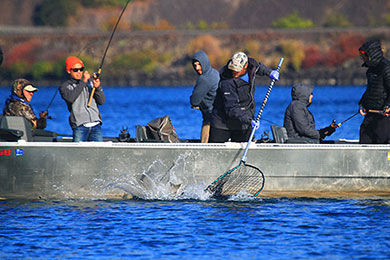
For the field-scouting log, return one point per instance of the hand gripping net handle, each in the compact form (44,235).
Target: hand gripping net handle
(243,159)
(268,92)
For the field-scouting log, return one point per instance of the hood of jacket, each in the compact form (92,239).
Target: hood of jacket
(204,61)
(374,51)
(302,92)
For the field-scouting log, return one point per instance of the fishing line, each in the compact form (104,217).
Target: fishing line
(96,74)
(99,71)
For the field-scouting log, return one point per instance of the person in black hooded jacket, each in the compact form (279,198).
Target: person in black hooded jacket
(299,121)
(234,105)
(375,102)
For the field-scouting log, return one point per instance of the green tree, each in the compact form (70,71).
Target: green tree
(292,21)
(54,13)
(19,69)
(41,69)
(386,18)
(203,25)
(337,20)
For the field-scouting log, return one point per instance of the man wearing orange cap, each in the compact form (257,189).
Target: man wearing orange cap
(18,103)
(85,120)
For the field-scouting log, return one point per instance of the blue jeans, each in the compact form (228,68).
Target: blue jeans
(84,134)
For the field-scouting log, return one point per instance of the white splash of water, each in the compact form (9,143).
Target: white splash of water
(242,196)
(161,182)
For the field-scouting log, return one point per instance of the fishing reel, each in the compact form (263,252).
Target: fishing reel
(95,75)
(47,114)
(124,135)
(264,138)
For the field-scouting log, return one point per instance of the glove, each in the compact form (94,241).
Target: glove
(274,75)
(255,124)
(326,131)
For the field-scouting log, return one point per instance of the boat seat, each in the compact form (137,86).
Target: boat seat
(10,135)
(279,133)
(17,123)
(19,128)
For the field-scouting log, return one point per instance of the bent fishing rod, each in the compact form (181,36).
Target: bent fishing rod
(349,118)
(96,75)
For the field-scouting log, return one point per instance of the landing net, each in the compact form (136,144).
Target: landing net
(243,177)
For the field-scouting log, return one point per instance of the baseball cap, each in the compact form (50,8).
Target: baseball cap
(238,61)
(21,84)
(30,88)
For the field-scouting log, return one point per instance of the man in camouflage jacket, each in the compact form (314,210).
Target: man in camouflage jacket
(18,104)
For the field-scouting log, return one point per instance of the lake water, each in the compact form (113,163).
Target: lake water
(193,228)
(128,107)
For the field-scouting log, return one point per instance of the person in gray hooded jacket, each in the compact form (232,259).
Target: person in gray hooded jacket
(84,119)
(299,121)
(205,90)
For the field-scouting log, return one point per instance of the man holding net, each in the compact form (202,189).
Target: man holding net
(234,105)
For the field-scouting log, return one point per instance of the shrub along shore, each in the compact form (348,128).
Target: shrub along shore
(159,58)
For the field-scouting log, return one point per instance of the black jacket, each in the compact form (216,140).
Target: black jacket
(298,120)
(234,105)
(377,94)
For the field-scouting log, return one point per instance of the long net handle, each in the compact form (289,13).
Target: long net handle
(243,159)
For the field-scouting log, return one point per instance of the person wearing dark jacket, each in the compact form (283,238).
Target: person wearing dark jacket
(85,120)
(204,91)
(375,102)
(299,121)
(234,105)
(18,103)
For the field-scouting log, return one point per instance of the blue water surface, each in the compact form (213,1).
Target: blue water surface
(282,228)
(261,229)
(128,107)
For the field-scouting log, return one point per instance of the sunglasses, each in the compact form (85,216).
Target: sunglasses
(77,69)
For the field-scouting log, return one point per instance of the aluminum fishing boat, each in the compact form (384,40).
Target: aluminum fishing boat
(43,165)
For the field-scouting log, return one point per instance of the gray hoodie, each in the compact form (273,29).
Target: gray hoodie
(298,120)
(206,85)
(76,94)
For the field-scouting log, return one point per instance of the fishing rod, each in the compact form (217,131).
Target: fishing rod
(376,111)
(99,71)
(96,74)
(51,101)
(349,118)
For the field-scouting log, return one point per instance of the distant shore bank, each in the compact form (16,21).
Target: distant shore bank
(163,58)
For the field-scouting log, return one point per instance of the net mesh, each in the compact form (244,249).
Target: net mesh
(244,177)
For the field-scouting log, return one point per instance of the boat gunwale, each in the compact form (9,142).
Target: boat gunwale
(209,146)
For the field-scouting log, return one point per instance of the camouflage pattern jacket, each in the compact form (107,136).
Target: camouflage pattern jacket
(16,106)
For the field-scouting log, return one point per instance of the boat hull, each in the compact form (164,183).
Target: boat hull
(31,170)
